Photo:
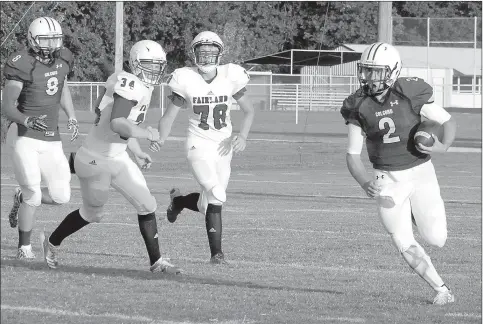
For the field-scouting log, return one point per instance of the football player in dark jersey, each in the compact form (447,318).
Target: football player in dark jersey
(387,110)
(35,90)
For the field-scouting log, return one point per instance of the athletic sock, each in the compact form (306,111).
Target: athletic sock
(189,201)
(23,238)
(149,231)
(71,224)
(214,227)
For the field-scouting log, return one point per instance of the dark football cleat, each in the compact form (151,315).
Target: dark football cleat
(172,212)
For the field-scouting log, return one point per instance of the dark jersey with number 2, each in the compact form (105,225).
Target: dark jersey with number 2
(390,126)
(42,89)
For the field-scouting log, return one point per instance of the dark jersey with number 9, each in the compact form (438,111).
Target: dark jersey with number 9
(42,89)
(390,126)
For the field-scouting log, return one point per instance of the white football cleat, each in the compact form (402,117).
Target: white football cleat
(49,251)
(162,265)
(443,298)
(25,252)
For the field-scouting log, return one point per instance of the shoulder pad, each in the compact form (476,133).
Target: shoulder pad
(19,66)
(238,75)
(416,89)
(350,108)
(66,55)
(177,79)
(128,86)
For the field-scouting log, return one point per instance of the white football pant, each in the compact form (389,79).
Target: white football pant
(98,173)
(210,169)
(35,160)
(414,190)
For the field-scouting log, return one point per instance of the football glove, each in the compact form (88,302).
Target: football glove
(74,127)
(36,123)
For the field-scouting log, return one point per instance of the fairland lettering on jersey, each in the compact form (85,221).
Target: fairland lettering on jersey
(210,99)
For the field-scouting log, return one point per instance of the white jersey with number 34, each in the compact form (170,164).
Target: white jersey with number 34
(101,139)
(209,103)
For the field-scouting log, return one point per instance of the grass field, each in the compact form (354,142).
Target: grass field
(303,243)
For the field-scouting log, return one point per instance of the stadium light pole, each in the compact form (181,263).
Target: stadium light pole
(119,54)
(385,22)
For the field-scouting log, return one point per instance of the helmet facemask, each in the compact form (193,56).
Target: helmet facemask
(46,45)
(206,57)
(149,71)
(375,79)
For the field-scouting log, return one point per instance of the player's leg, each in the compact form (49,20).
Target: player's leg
(94,182)
(396,218)
(25,158)
(130,182)
(223,170)
(429,213)
(428,206)
(203,164)
(55,171)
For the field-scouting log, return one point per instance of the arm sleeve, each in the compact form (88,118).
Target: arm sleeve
(121,107)
(435,112)
(240,93)
(356,139)
(177,100)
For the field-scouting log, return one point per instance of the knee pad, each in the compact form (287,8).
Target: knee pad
(402,244)
(60,194)
(217,195)
(31,195)
(147,207)
(91,214)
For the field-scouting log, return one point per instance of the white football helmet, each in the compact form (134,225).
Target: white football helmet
(147,60)
(379,68)
(45,37)
(207,57)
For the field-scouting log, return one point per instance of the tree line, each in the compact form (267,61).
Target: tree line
(249,29)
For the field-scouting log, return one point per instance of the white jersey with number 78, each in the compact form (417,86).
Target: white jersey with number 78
(209,103)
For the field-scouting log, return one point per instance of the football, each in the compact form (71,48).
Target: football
(424,132)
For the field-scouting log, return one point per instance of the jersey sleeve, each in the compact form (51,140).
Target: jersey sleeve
(238,76)
(175,83)
(18,67)
(417,90)
(349,111)
(128,86)
(66,55)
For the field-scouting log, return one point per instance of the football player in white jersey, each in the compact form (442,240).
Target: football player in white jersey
(208,90)
(102,160)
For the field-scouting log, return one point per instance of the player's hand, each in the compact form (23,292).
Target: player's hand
(156,146)
(36,123)
(153,134)
(238,143)
(225,147)
(74,127)
(143,160)
(437,147)
(371,188)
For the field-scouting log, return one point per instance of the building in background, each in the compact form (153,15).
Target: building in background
(450,70)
